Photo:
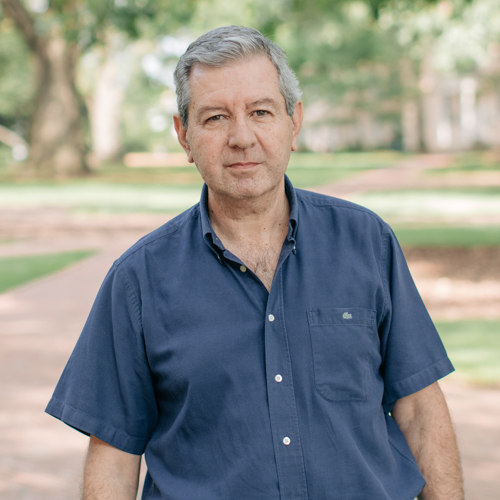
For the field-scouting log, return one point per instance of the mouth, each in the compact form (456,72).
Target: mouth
(246,165)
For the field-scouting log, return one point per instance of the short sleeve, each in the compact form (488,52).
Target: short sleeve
(412,352)
(106,388)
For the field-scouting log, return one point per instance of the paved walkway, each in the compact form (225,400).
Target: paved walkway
(40,322)
(406,175)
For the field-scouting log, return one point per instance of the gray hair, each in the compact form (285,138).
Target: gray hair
(230,43)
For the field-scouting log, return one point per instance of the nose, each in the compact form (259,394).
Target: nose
(241,134)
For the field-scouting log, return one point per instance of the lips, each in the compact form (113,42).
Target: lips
(243,165)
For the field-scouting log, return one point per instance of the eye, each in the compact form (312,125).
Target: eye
(215,118)
(261,112)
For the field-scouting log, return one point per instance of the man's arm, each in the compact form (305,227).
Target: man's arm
(110,474)
(424,419)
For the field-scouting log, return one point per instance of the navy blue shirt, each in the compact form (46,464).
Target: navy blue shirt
(234,392)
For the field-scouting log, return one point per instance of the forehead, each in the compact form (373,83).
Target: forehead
(251,78)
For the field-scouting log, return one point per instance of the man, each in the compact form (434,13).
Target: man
(268,343)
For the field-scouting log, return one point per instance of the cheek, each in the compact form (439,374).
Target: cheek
(280,139)
(282,144)
(205,138)
(206,153)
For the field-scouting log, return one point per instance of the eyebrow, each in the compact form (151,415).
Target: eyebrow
(210,109)
(266,101)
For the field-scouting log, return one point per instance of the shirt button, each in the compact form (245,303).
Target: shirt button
(286,440)
(243,269)
(271,318)
(278,378)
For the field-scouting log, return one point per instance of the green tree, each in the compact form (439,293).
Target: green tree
(57,33)
(363,59)
(16,91)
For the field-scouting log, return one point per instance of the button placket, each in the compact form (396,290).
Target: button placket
(281,399)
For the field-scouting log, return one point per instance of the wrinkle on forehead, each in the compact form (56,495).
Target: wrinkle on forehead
(247,82)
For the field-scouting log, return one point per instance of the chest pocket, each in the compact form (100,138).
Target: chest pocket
(344,348)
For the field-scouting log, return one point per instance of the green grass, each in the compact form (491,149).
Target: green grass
(16,271)
(374,159)
(99,197)
(180,177)
(447,204)
(474,348)
(306,177)
(448,236)
(313,169)
(471,162)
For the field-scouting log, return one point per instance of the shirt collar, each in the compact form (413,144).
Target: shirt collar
(294,209)
(209,234)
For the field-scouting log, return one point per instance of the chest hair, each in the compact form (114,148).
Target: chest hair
(260,259)
(263,263)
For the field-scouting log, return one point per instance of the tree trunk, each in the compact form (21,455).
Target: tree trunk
(105,107)
(410,115)
(56,137)
(434,130)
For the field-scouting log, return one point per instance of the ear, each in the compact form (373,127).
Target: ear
(297,123)
(182,137)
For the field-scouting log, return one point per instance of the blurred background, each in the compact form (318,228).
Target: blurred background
(83,83)
(402,115)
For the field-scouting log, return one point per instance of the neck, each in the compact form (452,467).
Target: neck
(262,220)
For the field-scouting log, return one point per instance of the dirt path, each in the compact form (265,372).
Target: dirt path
(40,322)
(407,175)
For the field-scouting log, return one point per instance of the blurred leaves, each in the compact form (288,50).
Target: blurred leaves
(351,53)
(16,80)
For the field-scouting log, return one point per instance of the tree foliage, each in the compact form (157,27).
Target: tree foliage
(16,83)
(352,57)
(57,33)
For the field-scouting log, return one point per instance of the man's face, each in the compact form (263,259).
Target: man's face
(239,134)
